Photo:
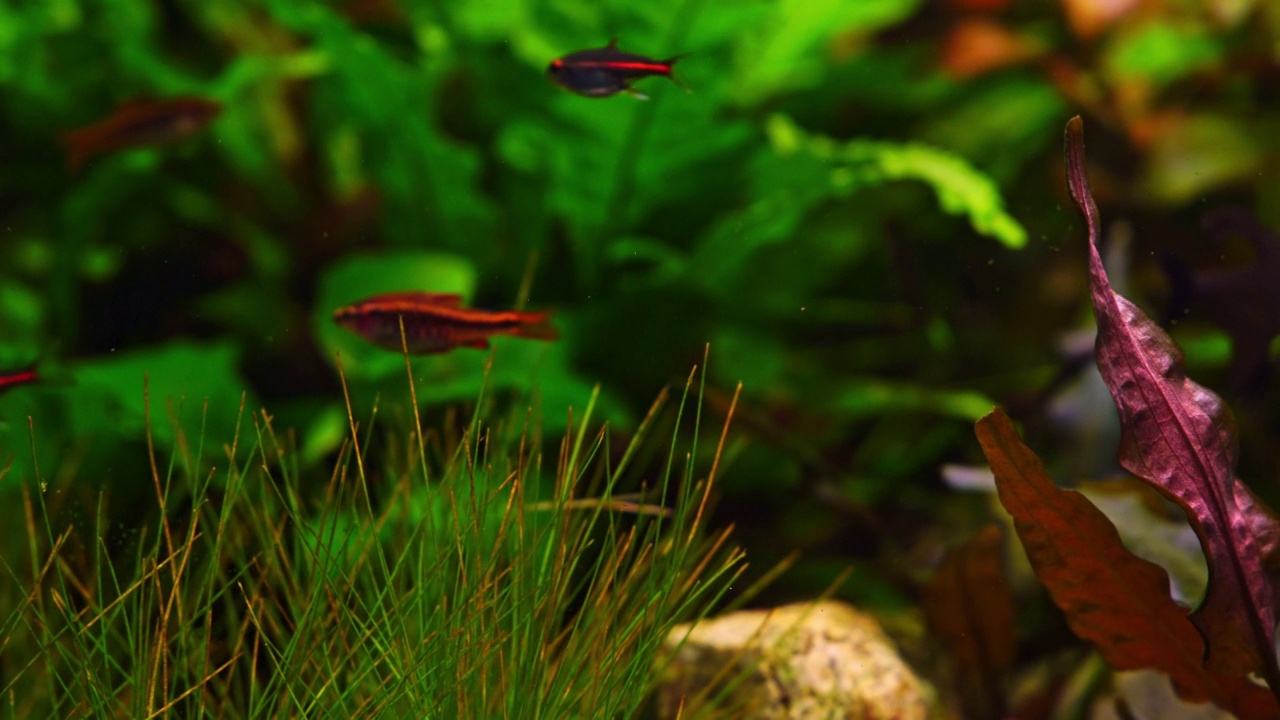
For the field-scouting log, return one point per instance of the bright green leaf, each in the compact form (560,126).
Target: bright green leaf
(1161,52)
(182,376)
(786,50)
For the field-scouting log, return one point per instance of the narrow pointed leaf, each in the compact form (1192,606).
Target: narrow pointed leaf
(1111,598)
(1180,437)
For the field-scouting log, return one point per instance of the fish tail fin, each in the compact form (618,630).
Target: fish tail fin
(536,326)
(670,63)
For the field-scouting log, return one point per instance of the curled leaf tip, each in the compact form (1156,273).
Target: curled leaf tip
(1077,180)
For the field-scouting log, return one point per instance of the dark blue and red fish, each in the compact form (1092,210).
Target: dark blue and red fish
(138,124)
(607,71)
(436,323)
(13,378)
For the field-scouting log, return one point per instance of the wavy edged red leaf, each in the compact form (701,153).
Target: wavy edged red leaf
(1115,600)
(1179,437)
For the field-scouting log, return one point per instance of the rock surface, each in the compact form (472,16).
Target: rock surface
(823,660)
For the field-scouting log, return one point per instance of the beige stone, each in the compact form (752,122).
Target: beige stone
(823,660)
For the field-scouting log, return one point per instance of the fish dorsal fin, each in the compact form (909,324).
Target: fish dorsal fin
(613,44)
(417,296)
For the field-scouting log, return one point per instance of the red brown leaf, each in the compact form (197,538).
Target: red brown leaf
(1180,437)
(976,46)
(1111,598)
(1090,18)
(970,606)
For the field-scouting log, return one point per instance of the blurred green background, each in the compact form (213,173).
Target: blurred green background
(860,206)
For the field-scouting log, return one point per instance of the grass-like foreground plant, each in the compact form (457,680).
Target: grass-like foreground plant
(406,592)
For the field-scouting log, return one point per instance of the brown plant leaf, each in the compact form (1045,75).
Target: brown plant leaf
(970,606)
(1111,598)
(1090,18)
(976,46)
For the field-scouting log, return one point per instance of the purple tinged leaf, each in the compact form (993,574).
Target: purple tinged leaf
(1180,437)
(1265,528)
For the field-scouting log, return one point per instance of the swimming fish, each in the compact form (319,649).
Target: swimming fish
(436,323)
(140,123)
(607,71)
(14,378)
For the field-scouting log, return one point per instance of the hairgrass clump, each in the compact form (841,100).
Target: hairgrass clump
(450,578)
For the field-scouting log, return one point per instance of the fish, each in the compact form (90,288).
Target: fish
(13,378)
(140,123)
(436,323)
(607,71)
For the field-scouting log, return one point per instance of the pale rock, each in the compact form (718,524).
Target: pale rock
(823,660)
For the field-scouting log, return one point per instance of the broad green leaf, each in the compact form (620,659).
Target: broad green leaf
(755,359)
(1161,52)
(428,183)
(665,262)
(22,312)
(960,189)
(1202,152)
(998,126)
(805,171)
(607,165)
(181,375)
(872,398)
(785,51)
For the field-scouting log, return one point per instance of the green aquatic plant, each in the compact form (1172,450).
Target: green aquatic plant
(469,577)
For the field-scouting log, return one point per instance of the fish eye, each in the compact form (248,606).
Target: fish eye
(557,63)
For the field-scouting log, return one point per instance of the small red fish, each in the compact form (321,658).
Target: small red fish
(607,71)
(14,378)
(436,323)
(140,123)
